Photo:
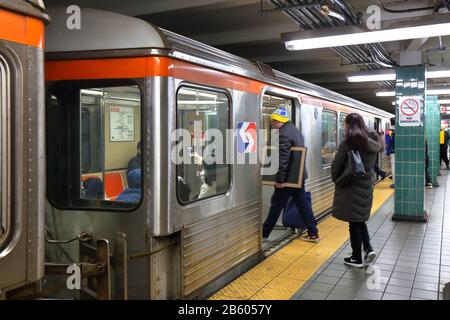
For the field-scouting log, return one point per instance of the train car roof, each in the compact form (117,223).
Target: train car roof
(103,31)
(33,8)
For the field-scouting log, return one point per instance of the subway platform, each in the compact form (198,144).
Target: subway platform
(413,259)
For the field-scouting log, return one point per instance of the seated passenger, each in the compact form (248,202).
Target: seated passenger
(133,193)
(93,188)
(208,178)
(135,162)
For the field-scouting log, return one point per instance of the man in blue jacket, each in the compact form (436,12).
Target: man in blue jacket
(133,193)
(289,136)
(390,148)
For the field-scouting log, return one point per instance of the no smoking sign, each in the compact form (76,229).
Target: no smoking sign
(409,111)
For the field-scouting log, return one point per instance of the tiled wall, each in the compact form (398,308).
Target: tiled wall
(432,126)
(410,149)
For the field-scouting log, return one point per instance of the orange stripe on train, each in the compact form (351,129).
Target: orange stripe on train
(21,29)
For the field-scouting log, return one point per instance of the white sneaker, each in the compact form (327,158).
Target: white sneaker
(369,258)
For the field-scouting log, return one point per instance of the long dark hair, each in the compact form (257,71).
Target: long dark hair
(356,133)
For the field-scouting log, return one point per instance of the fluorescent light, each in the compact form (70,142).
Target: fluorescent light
(124,99)
(194,93)
(385,94)
(376,75)
(200,102)
(427,27)
(445,101)
(389,74)
(91,92)
(437,74)
(437,91)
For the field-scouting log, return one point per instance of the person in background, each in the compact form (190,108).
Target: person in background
(443,140)
(378,171)
(289,136)
(353,203)
(135,162)
(208,178)
(93,188)
(390,148)
(428,183)
(133,193)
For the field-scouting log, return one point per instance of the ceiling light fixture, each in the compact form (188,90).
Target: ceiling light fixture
(376,75)
(385,94)
(435,92)
(389,74)
(394,30)
(444,101)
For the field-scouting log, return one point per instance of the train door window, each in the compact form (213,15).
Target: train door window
(329,137)
(342,126)
(270,104)
(203,114)
(99,141)
(5,107)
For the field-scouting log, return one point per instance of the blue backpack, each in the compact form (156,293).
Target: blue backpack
(292,217)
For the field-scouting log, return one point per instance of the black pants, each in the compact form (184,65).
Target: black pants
(444,155)
(359,234)
(378,171)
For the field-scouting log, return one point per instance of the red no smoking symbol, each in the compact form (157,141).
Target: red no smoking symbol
(409,107)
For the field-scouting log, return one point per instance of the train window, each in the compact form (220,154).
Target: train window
(5,107)
(270,104)
(96,130)
(342,126)
(204,115)
(329,136)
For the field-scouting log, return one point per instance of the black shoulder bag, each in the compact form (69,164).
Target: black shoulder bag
(354,169)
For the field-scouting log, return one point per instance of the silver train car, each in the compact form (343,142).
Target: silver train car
(122,220)
(22,170)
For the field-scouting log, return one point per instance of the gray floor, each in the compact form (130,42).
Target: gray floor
(413,261)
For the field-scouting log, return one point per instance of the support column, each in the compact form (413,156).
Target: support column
(432,126)
(410,144)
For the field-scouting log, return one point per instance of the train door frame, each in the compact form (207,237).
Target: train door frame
(296,119)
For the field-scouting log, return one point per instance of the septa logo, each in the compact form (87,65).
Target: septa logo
(246,137)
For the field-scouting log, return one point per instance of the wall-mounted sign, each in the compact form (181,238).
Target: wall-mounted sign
(121,124)
(246,137)
(409,111)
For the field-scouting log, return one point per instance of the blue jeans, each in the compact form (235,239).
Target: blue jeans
(278,202)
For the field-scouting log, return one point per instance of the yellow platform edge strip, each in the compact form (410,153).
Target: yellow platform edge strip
(283,273)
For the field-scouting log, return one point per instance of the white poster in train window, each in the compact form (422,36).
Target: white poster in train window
(121,124)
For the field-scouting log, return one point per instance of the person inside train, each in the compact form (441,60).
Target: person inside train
(133,193)
(289,136)
(92,188)
(352,203)
(135,162)
(390,148)
(208,179)
(184,190)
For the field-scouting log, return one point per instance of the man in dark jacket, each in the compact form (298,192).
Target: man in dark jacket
(135,162)
(443,140)
(289,136)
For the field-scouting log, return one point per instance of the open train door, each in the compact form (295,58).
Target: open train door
(22,147)
(270,103)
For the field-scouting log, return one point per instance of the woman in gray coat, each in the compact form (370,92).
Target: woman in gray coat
(352,203)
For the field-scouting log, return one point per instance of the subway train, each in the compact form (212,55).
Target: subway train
(120,218)
(22,164)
